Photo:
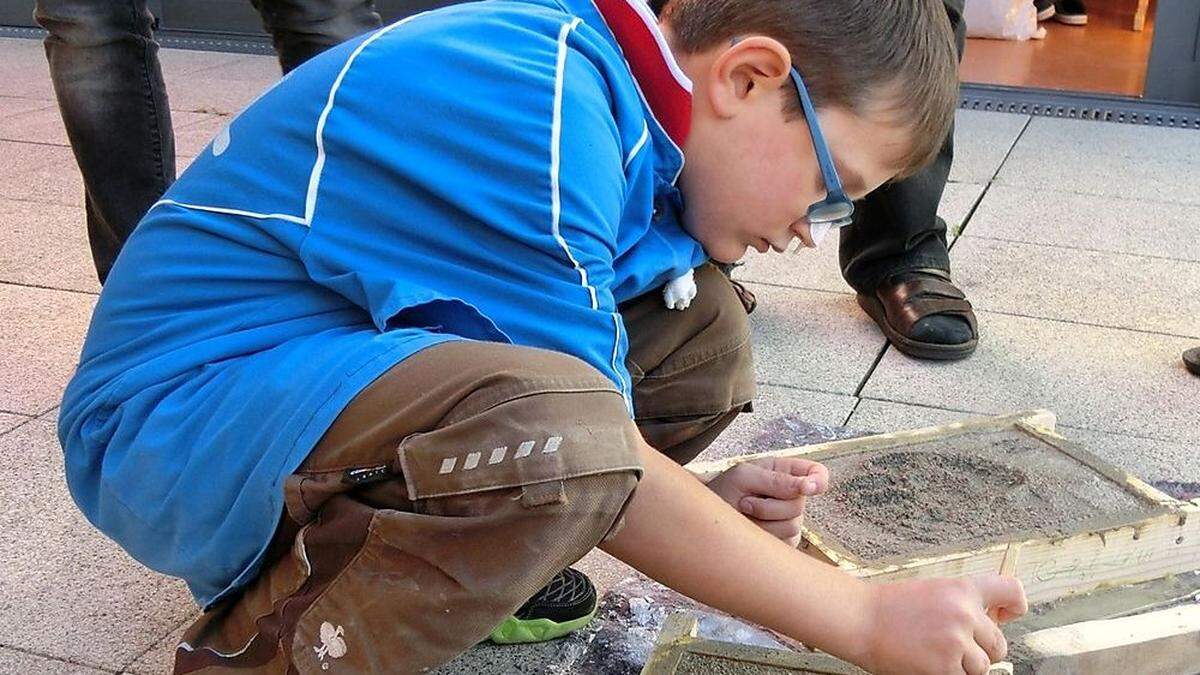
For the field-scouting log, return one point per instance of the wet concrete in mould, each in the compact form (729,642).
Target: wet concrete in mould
(962,493)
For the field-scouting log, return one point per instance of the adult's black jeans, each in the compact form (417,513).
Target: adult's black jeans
(109,85)
(896,228)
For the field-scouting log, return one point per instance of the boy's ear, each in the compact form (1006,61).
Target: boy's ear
(749,69)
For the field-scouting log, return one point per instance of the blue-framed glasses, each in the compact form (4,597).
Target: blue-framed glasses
(836,210)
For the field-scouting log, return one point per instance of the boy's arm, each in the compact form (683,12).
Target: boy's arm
(680,533)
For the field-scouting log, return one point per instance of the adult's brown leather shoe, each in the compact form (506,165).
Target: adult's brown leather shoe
(924,315)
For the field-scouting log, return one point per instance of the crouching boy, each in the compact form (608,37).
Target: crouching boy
(393,352)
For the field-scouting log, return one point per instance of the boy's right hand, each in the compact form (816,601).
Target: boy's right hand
(941,626)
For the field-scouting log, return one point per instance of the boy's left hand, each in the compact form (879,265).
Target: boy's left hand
(771,492)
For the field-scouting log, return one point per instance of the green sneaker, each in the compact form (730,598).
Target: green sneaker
(565,604)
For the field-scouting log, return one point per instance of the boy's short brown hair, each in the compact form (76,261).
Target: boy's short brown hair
(855,54)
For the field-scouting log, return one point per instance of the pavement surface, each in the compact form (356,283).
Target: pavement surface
(1078,243)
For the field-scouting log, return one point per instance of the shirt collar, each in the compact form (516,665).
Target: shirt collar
(665,88)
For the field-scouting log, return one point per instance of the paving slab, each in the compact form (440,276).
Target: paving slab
(1111,140)
(40,173)
(16,662)
(16,106)
(981,140)
(1077,169)
(67,591)
(260,69)
(10,421)
(179,62)
(24,70)
(1092,222)
(1149,459)
(42,125)
(212,94)
(821,270)
(772,403)
(160,658)
(45,245)
(812,339)
(1095,287)
(1105,379)
(42,332)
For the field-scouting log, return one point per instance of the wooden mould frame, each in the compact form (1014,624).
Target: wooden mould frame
(1117,553)
(678,639)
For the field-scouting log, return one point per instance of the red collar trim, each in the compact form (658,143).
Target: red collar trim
(664,86)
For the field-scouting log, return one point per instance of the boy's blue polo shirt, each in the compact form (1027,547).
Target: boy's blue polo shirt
(497,171)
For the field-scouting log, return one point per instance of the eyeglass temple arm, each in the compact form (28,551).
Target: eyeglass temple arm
(833,184)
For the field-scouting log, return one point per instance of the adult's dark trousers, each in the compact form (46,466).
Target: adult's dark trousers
(896,228)
(109,85)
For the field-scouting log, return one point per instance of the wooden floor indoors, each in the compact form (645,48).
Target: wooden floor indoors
(1106,56)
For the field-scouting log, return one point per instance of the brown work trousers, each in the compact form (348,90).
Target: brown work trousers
(458,483)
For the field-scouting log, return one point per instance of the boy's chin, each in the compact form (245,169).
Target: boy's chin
(727,256)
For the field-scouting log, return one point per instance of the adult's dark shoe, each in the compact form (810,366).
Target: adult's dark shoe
(924,314)
(1045,9)
(1191,359)
(1070,12)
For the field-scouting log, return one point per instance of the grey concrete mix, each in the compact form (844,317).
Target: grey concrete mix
(963,493)
(1055,338)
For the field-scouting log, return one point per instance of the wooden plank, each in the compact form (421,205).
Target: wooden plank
(1035,419)
(1053,568)
(1166,642)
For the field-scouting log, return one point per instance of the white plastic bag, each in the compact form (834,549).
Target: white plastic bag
(1002,20)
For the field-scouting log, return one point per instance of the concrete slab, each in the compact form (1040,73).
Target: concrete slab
(15,662)
(24,70)
(812,339)
(69,592)
(820,269)
(773,402)
(17,106)
(215,95)
(1150,459)
(45,245)
(1078,169)
(1092,222)
(160,658)
(981,140)
(40,173)
(1109,289)
(10,421)
(1057,136)
(42,332)
(42,125)
(179,62)
(1104,379)
(260,69)
(880,417)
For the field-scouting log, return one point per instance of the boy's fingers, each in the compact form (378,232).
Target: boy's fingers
(765,508)
(1003,597)
(764,481)
(815,472)
(781,529)
(989,638)
(975,662)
